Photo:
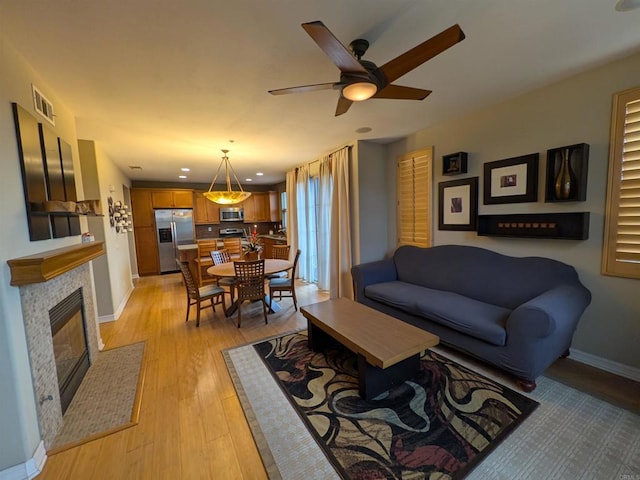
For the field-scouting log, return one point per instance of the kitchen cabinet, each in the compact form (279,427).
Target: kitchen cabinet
(172,198)
(147,250)
(141,208)
(205,211)
(275,212)
(257,208)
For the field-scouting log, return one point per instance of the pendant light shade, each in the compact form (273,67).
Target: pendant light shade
(228,196)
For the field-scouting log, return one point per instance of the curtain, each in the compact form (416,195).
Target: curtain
(340,240)
(306,220)
(325,188)
(319,217)
(292,208)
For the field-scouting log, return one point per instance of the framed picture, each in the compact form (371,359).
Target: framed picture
(458,204)
(454,163)
(513,180)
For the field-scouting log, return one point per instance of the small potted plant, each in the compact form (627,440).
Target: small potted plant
(252,250)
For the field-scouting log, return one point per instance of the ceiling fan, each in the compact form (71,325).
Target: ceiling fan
(362,79)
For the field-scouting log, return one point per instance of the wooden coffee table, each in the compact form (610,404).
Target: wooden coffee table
(388,349)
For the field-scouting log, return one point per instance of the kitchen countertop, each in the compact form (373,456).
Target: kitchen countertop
(282,238)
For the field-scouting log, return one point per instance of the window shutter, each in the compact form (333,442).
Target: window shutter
(622,235)
(414,198)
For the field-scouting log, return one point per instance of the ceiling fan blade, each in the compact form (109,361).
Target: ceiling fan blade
(428,49)
(343,105)
(304,88)
(333,48)
(402,93)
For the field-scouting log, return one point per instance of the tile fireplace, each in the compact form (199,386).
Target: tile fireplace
(47,281)
(70,349)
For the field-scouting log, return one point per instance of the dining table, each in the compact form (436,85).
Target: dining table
(271,266)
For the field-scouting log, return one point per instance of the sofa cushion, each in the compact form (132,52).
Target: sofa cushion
(466,315)
(481,274)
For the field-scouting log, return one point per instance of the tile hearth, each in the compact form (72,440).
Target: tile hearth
(36,300)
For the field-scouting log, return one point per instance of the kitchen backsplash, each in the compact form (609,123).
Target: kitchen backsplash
(202,231)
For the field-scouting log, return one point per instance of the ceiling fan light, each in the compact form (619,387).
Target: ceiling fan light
(359,91)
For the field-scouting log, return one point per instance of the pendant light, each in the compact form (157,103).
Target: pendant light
(228,196)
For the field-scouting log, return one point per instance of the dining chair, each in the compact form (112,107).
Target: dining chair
(203,261)
(279,252)
(196,295)
(250,285)
(233,246)
(280,285)
(218,257)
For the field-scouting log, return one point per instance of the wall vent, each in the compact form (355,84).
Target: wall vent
(43,106)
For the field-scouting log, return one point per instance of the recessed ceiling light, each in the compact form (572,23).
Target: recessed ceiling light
(182,176)
(185,169)
(363,130)
(259,174)
(135,167)
(248,179)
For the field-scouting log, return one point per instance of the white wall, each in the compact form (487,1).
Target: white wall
(370,201)
(113,271)
(17,404)
(572,111)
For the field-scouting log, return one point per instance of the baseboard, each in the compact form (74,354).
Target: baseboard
(28,469)
(116,315)
(135,276)
(610,366)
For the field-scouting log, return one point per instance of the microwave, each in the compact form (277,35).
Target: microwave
(232,214)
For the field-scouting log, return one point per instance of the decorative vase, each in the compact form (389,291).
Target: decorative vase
(565,179)
(252,255)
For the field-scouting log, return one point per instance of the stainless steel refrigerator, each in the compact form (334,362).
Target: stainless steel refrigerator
(173,227)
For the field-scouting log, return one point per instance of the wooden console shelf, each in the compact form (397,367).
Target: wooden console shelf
(568,226)
(44,266)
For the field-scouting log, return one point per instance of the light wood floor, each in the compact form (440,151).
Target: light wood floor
(191,423)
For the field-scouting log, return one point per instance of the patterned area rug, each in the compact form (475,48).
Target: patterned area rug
(440,424)
(107,400)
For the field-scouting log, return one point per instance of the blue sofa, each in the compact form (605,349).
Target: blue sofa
(518,314)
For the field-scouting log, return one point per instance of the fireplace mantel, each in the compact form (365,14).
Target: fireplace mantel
(44,266)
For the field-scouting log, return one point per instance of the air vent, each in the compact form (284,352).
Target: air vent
(43,106)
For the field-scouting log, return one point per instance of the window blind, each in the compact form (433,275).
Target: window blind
(414,198)
(622,238)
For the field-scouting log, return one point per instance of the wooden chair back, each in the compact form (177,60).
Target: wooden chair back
(205,247)
(192,288)
(233,246)
(249,280)
(203,261)
(280,252)
(295,265)
(220,256)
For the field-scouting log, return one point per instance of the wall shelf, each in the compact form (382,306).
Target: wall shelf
(579,165)
(567,226)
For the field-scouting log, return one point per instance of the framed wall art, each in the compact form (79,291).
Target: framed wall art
(458,204)
(513,180)
(454,163)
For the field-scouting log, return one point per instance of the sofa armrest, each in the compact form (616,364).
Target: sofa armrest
(558,309)
(370,273)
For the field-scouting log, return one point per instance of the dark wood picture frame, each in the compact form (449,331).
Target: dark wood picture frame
(458,204)
(454,163)
(512,180)
(578,165)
